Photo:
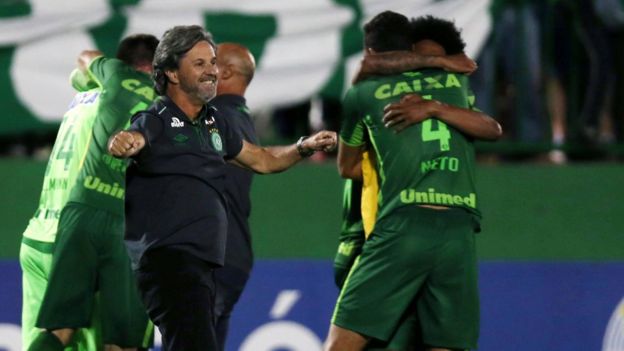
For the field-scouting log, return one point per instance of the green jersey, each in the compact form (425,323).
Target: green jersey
(429,163)
(351,210)
(63,166)
(124,91)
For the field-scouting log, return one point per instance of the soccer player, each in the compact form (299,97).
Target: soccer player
(420,258)
(360,198)
(89,256)
(178,147)
(38,239)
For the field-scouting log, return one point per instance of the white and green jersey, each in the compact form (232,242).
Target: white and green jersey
(64,164)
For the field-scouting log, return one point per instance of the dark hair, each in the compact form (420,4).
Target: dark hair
(137,49)
(439,30)
(175,43)
(388,31)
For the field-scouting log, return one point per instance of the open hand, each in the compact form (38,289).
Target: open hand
(411,109)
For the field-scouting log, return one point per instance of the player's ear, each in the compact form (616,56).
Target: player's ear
(225,72)
(172,76)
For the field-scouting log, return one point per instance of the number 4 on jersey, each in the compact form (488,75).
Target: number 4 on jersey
(441,133)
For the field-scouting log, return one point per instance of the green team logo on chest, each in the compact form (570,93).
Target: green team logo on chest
(216,141)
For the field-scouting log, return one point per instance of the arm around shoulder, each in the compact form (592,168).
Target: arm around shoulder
(392,62)
(414,109)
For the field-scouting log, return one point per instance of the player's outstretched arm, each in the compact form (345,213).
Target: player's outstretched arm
(413,109)
(391,62)
(266,160)
(125,143)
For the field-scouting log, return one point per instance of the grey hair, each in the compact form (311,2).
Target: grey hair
(175,43)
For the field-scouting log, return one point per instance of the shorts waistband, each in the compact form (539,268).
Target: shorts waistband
(47,214)
(42,246)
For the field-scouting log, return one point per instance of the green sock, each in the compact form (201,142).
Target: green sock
(46,341)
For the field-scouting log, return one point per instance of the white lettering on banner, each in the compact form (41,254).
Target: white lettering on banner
(10,337)
(284,303)
(614,335)
(282,334)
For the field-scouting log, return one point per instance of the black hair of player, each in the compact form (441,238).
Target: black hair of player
(388,31)
(441,31)
(175,43)
(137,49)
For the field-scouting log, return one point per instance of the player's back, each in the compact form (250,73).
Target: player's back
(429,163)
(63,165)
(125,91)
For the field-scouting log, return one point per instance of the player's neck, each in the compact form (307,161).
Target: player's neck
(231,89)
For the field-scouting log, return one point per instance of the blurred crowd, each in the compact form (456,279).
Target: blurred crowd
(551,72)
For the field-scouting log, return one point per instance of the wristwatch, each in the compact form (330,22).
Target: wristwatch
(300,149)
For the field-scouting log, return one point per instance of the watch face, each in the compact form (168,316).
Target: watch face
(300,149)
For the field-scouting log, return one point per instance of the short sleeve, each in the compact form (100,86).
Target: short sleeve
(147,124)
(81,81)
(472,101)
(233,141)
(101,69)
(352,129)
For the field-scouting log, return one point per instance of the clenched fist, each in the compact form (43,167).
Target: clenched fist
(125,144)
(324,140)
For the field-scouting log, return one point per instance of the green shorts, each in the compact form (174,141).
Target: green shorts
(36,260)
(89,258)
(423,262)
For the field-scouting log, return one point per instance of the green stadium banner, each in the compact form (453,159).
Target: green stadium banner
(303,48)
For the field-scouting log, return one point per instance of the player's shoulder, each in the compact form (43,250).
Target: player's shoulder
(373,80)
(157,110)
(116,70)
(103,64)
(439,73)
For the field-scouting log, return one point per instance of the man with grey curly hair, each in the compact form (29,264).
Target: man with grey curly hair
(176,212)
